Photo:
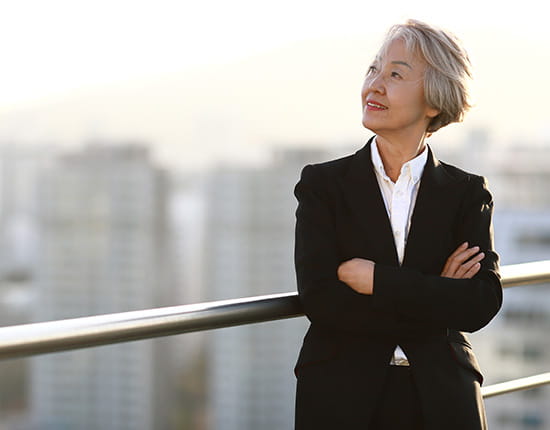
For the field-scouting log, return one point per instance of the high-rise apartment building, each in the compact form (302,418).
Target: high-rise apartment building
(102,248)
(249,236)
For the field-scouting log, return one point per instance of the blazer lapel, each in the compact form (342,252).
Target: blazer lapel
(362,194)
(432,192)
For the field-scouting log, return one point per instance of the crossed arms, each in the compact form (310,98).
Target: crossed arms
(360,295)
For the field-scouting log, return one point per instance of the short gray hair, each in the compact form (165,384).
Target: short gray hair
(448,68)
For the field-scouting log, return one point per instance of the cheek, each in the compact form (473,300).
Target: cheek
(411,100)
(419,99)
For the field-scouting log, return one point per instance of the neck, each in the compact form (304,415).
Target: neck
(396,152)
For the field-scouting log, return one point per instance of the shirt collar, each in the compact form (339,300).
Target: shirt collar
(413,168)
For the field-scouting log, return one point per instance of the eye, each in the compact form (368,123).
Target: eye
(396,75)
(371,70)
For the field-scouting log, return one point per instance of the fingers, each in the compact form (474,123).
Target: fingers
(463,263)
(472,272)
(458,250)
(459,257)
(463,257)
(470,267)
(451,264)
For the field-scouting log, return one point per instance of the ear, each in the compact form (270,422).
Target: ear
(430,120)
(432,112)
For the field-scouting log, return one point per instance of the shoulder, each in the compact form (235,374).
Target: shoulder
(322,179)
(331,168)
(339,167)
(475,185)
(460,174)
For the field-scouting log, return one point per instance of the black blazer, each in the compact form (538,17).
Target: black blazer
(346,351)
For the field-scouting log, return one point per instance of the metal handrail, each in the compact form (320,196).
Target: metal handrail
(515,385)
(536,272)
(53,336)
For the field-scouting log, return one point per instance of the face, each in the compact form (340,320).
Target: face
(393,94)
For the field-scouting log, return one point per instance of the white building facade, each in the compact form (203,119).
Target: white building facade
(102,248)
(249,240)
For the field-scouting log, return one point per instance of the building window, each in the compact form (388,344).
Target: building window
(532,420)
(533,352)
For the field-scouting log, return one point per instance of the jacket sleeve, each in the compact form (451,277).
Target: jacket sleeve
(326,300)
(461,304)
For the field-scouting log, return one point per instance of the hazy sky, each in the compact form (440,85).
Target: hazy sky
(52,50)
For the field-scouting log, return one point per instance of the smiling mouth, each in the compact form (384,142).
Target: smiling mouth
(375,106)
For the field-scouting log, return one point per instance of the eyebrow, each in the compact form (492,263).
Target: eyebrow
(403,63)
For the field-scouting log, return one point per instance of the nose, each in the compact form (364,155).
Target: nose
(374,82)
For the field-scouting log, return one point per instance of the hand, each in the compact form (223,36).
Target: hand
(463,263)
(358,274)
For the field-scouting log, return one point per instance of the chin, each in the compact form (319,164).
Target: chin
(370,129)
(369,126)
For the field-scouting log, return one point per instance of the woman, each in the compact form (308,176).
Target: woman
(394,256)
